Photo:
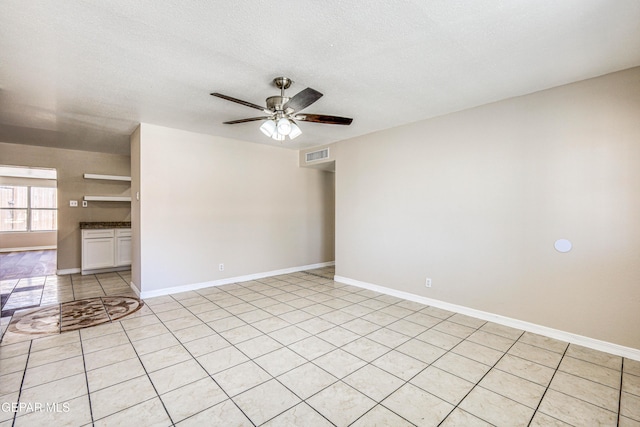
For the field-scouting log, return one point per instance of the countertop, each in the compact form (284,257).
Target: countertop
(104,224)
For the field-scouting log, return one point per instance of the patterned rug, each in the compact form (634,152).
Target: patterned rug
(72,315)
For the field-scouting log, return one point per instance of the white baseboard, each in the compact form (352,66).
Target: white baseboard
(195,286)
(135,288)
(67,271)
(619,350)
(29,248)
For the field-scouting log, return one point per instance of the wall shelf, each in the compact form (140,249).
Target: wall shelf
(107,177)
(107,198)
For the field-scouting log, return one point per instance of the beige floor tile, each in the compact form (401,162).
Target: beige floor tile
(338,336)
(373,382)
(496,409)
(493,341)
(442,384)
(202,346)
(630,406)
(148,413)
(280,361)
(628,422)
(226,323)
(477,352)
(399,364)
(100,330)
(575,411)
(297,316)
(14,364)
(266,401)
(193,333)
(597,373)
(439,339)
(109,356)
(386,336)
(536,354)
(53,371)
(315,325)
(543,420)
(289,335)
(458,417)
(522,391)
(241,377)
(631,384)
(630,366)
(454,329)
(300,415)
(366,349)
(145,332)
(381,416)
(258,346)
(339,363)
(54,354)
(192,398)
(462,367)
(10,383)
(104,342)
(13,350)
(213,315)
(221,360)
(360,326)
(336,317)
(254,316)
(113,374)
(240,334)
(307,380)
(418,406)
(78,414)
(463,319)
(163,358)
(341,404)
(60,340)
(155,343)
(544,342)
(421,350)
(123,395)
(177,375)
(177,313)
(183,322)
(526,369)
(589,391)
(594,356)
(501,330)
(225,413)
(60,390)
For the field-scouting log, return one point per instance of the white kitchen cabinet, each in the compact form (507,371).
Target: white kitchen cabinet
(105,249)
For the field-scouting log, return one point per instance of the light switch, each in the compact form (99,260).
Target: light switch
(84,204)
(73,203)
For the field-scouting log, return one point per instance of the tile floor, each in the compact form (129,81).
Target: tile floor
(14,265)
(302,350)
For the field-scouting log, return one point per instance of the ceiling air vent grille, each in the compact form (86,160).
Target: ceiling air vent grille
(314,156)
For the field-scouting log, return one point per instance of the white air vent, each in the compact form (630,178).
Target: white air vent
(314,156)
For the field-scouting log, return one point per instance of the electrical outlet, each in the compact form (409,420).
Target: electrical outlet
(428,283)
(73,203)
(221,267)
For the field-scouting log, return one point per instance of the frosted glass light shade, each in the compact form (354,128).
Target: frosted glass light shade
(295,131)
(277,136)
(268,127)
(284,126)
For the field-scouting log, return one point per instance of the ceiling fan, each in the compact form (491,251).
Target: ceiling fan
(282,112)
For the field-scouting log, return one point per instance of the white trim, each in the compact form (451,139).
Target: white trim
(107,177)
(608,347)
(135,288)
(29,248)
(220,282)
(107,198)
(68,271)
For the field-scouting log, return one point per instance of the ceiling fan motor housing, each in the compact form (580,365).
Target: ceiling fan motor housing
(275,103)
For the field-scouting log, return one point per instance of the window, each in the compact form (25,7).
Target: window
(27,208)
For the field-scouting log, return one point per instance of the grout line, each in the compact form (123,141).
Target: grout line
(548,385)
(86,376)
(620,394)
(24,374)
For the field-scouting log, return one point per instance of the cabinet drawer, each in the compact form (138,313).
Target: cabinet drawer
(123,232)
(93,234)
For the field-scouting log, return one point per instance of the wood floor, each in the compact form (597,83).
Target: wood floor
(21,265)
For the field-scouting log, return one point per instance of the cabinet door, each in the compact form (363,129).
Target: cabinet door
(123,250)
(98,253)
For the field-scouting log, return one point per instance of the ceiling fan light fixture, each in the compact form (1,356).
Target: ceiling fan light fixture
(278,136)
(295,131)
(268,128)
(284,126)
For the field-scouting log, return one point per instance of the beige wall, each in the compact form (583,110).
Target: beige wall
(71,166)
(476,199)
(208,200)
(25,241)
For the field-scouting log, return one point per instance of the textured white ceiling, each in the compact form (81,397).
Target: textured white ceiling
(82,74)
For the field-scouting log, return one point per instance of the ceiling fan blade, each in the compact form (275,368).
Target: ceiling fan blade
(303,99)
(251,119)
(321,118)
(238,101)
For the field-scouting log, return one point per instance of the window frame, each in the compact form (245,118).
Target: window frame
(30,210)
